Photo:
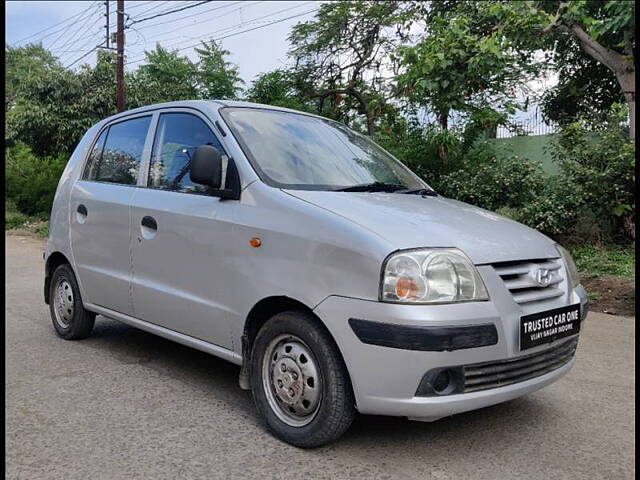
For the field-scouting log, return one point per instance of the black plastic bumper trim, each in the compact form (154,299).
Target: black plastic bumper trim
(424,338)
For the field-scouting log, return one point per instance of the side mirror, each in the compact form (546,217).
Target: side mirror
(211,168)
(206,166)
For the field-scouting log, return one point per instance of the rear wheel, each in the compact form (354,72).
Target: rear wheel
(70,319)
(299,381)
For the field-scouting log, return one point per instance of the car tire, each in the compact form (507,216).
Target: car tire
(71,320)
(294,359)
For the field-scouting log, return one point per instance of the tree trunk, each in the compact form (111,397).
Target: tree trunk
(443,120)
(627,81)
(359,96)
(365,107)
(623,66)
(631,101)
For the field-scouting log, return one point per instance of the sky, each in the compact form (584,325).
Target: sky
(255,45)
(254,52)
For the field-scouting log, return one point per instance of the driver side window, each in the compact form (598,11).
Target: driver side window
(177,137)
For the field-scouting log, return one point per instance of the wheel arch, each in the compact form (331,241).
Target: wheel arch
(258,316)
(53,261)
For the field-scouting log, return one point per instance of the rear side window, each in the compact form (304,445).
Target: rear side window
(177,137)
(94,158)
(116,157)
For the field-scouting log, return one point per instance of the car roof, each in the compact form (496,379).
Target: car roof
(202,105)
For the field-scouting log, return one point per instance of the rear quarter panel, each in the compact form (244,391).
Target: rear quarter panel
(58,240)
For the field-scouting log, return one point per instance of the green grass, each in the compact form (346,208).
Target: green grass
(594,260)
(14,220)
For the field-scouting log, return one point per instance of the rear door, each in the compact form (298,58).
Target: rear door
(100,213)
(181,236)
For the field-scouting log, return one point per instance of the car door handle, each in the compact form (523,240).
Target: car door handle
(82,210)
(149,222)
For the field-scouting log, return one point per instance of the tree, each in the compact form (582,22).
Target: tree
(455,67)
(54,109)
(603,30)
(99,86)
(24,66)
(217,78)
(344,53)
(43,110)
(468,64)
(279,88)
(585,87)
(166,77)
(606,32)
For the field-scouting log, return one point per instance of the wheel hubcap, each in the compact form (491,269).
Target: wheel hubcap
(63,303)
(291,380)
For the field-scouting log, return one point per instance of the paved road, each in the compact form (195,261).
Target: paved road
(125,404)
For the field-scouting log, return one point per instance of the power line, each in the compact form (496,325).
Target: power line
(175,20)
(75,37)
(263,26)
(65,30)
(232,27)
(155,7)
(83,56)
(142,4)
(217,38)
(237,33)
(162,14)
(163,33)
(52,26)
(92,39)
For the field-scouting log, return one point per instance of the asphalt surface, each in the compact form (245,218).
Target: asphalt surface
(126,404)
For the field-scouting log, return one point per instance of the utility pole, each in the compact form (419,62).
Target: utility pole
(120,57)
(106,25)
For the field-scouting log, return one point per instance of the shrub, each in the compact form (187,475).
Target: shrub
(599,161)
(12,217)
(31,181)
(430,151)
(591,200)
(555,208)
(494,181)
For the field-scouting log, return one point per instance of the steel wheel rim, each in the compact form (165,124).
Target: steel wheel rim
(291,380)
(63,303)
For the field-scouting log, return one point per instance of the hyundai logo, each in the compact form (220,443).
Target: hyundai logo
(543,277)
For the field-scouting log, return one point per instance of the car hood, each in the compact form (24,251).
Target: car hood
(411,221)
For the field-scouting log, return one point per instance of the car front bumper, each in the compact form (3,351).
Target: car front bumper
(385,378)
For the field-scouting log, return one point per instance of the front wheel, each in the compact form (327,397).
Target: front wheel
(299,381)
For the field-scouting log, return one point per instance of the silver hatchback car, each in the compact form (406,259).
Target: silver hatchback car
(306,254)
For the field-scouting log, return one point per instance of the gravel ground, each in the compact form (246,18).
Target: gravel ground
(125,404)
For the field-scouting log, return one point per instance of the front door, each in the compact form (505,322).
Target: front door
(100,214)
(180,236)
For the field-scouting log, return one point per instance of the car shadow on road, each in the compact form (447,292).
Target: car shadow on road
(206,372)
(199,370)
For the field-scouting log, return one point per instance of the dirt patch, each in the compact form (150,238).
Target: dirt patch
(611,294)
(37,229)
(22,232)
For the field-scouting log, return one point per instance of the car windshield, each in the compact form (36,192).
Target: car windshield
(298,151)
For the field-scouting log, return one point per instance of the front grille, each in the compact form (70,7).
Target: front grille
(520,279)
(483,376)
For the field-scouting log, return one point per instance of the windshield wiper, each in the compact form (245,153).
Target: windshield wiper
(372,187)
(425,192)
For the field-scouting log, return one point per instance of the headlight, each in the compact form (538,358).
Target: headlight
(572,270)
(431,275)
